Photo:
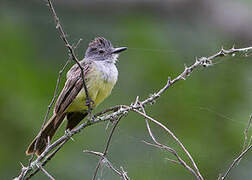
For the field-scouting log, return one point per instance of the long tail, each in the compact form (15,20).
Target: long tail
(48,131)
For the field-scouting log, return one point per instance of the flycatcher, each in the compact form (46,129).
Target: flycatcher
(100,75)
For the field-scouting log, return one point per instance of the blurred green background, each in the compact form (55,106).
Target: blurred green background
(208,111)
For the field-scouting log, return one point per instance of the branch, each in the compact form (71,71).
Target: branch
(242,154)
(246,130)
(106,147)
(104,160)
(45,172)
(123,110)
(70,51)
(119,110)
(196,171)
(24,170)
(202,61)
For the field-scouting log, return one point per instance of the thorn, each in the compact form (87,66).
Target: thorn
(68,133)
(185,66)
(233,47)
(125,113)
(196,59)
(22,165)
(169,80)
(48,141)
(137,101)
(78,43)
(107,126)
(222,52)
(183,77)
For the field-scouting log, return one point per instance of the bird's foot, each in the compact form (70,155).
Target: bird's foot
(89,103)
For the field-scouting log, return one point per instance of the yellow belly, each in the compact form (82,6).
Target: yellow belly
(98,90)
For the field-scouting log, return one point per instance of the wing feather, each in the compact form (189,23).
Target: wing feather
(72,87)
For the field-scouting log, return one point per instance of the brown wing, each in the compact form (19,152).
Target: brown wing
(71,89)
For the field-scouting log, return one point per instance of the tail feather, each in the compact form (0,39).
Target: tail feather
(48,132)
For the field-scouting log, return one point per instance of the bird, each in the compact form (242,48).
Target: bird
(100,76)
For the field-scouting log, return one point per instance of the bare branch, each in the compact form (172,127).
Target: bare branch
(119,110)
(123,110)
(242,154)
(104,160)
(50,106)
(107,146)
(71,52)
(236,161)
(46,116)
(114,108)
(246,140)
(45,172)
(124,174)
(173,161)
(161,146)
(48,158)
(203,61)
(195,172)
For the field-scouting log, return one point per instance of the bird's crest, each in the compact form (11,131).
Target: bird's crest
(100,42)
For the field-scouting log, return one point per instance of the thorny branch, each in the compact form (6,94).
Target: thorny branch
(203,61)
(120,110)
(71,56)
(71,52)
(25,169)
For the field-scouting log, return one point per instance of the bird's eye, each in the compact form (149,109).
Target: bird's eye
(101,51)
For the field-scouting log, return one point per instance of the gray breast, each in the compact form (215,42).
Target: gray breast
(108,71)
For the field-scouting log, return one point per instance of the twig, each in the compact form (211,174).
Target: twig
(48,158)
(246,140)
(236,161)
(71,52)
(196,173)
(55,94)
(46,116)
(172,160)
(203,61)
(159,145)
(124,110)
(123,174)
(72,56)
(242,154)
(106,147)
(45,172)
(114,108)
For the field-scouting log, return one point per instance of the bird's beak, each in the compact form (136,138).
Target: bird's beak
(118,50)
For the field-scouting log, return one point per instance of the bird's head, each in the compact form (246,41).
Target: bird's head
(101,49)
